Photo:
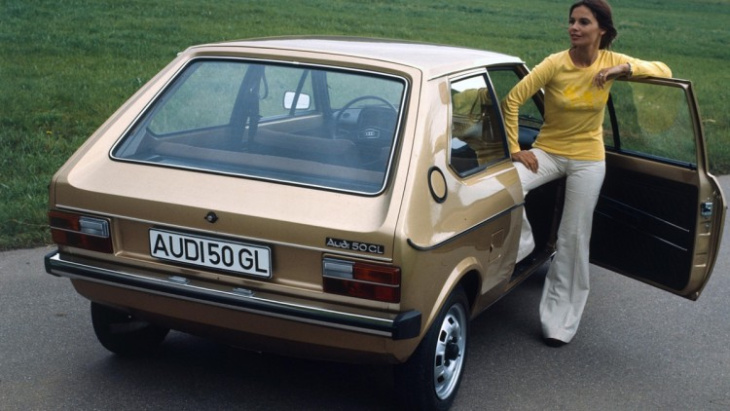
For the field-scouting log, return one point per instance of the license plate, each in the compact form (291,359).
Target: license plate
(212,253)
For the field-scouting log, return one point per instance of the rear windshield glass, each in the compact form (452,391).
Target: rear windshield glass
(313,126)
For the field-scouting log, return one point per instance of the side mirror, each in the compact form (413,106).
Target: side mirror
(303,101)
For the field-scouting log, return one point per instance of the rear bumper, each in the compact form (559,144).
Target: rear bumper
(400,326)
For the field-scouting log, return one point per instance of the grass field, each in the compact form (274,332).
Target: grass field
(66,65)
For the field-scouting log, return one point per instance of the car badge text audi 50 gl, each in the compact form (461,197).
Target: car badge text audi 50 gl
(355,246)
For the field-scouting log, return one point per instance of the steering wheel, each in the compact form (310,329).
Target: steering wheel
(364,132)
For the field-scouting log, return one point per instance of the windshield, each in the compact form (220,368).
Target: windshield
(314,126)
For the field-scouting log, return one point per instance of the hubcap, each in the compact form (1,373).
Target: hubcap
(449,355)
(452,351)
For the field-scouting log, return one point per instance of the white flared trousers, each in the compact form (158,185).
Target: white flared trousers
(567,282)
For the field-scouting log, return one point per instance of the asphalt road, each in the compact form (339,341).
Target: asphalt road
(637,349)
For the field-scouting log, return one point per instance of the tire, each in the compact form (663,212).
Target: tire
(430,379)
(122,334)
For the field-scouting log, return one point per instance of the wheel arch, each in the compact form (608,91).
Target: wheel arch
(471,283)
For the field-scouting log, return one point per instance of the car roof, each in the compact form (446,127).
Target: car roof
(433,60)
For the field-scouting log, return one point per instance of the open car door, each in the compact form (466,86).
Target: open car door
(660,215)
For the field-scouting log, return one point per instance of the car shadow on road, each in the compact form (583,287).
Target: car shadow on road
(190,372)
(197,373)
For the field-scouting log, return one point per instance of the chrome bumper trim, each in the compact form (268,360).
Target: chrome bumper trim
(397,327)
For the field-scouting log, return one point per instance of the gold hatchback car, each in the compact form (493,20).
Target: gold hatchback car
(354,199)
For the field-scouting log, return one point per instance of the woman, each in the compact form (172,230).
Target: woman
(570,144)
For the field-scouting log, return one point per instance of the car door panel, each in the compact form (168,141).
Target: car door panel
(652,222)
(644,219)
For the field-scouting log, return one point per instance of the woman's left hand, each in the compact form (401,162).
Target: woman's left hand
(610,73)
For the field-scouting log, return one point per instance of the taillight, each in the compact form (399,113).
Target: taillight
(361,280)
(75,230)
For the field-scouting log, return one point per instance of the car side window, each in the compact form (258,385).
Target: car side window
(652,121)
(530,114)
(344,88)
(477,133)
(205,99)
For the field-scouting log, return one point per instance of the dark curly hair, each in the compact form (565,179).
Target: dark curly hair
(602,12)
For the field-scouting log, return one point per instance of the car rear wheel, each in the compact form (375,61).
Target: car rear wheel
(122,334)
(430,379)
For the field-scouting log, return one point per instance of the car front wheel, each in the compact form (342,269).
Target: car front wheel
(122,334)
(430,379)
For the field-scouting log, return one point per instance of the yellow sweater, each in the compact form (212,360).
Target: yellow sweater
(574,107)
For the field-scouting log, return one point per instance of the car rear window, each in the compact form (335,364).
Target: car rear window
(294,124)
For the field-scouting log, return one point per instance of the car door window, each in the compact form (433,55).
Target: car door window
(477,133)
(652,122)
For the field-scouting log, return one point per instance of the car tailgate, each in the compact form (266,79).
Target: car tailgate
(297,224)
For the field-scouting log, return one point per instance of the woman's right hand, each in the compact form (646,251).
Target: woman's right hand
(527,158)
